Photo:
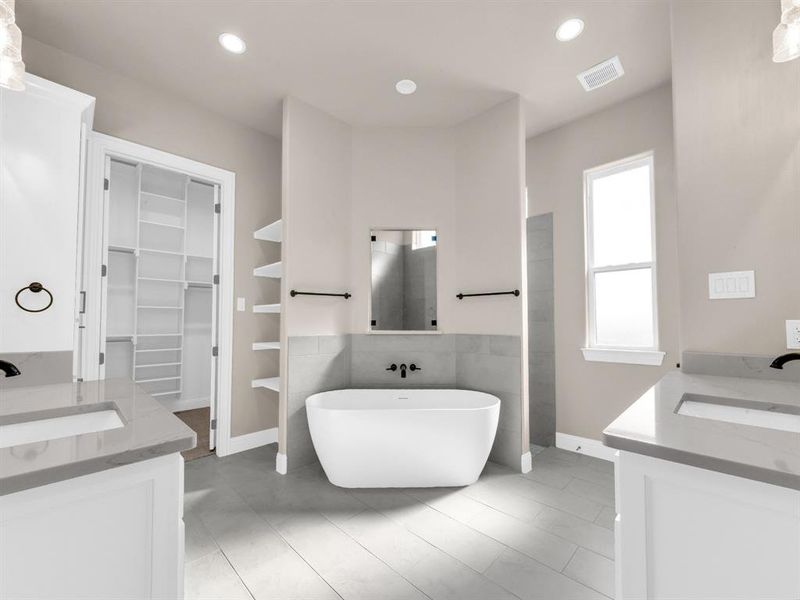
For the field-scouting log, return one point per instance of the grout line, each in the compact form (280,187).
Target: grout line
(388,566)
(239,577)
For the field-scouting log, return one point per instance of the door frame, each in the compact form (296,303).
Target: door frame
(102,146)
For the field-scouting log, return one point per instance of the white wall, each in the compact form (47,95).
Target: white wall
(403,179)
(737,150)
(490,221)
(316,213)
(40,161)
(589,395)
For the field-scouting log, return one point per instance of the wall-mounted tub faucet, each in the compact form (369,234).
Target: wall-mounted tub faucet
(9,369)
(784,358)
(403,368)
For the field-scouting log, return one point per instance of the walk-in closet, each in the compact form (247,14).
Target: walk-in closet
(161,236)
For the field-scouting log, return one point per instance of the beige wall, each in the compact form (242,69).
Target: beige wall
(737,140)
(316,212)
(403,179)
(466,182)
(136,112)
(589,395)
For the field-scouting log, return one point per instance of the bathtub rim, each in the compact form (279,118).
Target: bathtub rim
(313,405)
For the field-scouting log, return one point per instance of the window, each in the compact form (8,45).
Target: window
(423,239)
(622,322)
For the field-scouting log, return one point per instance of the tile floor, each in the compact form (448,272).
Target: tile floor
(252,534)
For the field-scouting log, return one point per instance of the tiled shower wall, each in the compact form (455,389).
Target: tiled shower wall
(480,362)
(541,331)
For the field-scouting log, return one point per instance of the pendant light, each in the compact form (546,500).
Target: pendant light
(12,69)
(786,37)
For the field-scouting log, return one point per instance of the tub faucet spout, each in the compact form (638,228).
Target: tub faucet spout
(403,368)
(9,369)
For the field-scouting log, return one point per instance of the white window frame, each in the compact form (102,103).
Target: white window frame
(593,351)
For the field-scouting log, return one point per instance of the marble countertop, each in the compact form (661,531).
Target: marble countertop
(149,430)
(651,426)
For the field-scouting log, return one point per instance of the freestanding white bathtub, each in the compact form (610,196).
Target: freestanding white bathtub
(402,438)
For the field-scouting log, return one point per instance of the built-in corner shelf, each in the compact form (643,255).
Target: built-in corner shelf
(267,308)
(270,233)
(270,383)
(266,345)
(272,270)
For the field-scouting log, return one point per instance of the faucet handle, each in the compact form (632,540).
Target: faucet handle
(414,367)
(392,367)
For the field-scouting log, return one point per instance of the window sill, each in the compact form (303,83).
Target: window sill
(653,358)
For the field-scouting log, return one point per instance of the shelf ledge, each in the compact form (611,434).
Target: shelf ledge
(266,345)
(270,233)
(270,383)
(273,270)
(267,308)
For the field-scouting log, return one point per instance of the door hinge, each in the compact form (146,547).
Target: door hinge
(103,270)
(216,280)
(215,351)
(80,380)
(213,423)
(102,358)
(217,208)
(106,184)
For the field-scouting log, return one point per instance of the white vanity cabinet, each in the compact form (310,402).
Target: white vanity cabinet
(695,534)
(111,535)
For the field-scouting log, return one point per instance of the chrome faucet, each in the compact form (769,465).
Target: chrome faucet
(9,369)
(784,358)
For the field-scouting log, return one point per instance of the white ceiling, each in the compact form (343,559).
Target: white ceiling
(344,57)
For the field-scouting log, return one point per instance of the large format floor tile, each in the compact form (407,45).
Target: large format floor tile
(252,534)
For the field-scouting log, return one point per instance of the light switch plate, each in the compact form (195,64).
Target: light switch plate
(734,284)
(793,335)
(240,304)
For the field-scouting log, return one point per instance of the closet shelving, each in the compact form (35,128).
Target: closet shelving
(161,233)
(269,233)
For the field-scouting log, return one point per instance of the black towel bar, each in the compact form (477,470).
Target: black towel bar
(511,293)
(294,293)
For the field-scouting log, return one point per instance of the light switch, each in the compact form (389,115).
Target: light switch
(240,304)
(735,284)
(793,335)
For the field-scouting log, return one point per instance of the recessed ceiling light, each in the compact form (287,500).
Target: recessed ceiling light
(232,43)
(405,87)
(569,30)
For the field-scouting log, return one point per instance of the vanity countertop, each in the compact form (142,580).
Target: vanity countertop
(149,430)
(651,426)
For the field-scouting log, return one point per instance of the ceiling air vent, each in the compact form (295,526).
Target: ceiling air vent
(602,74)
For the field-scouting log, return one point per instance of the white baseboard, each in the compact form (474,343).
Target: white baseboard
(180,404)
(280,464)
(240,443)
(526,462)
(583,445)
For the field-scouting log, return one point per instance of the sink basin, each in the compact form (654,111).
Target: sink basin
(39,430)
(745,412)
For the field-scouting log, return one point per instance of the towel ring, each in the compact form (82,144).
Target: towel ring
(34,287)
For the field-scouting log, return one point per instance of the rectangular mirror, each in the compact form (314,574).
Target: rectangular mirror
(403,280)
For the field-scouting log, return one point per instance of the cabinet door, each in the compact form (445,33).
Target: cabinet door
(112,535)
(694,534)
(40,166)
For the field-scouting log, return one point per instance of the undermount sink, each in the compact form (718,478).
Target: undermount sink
(41,429)
(745,412)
